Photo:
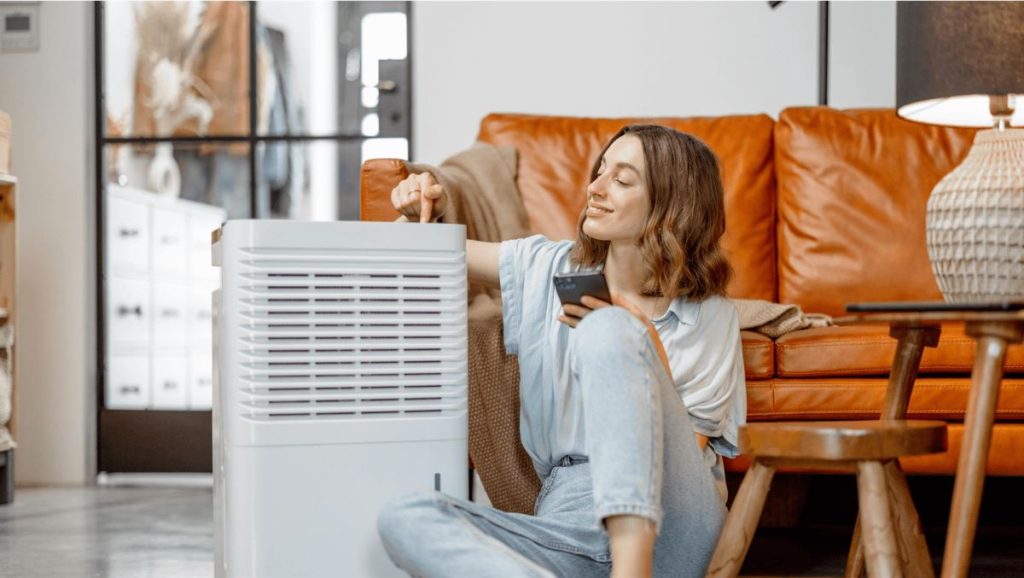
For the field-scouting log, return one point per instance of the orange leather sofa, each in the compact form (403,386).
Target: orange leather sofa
(824,208)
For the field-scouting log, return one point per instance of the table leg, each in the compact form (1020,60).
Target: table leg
(905,364)
(740,523)
(855,558)
(913,548)
(970,471)
(880,550)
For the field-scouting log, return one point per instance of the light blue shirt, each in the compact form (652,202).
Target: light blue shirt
(702,340)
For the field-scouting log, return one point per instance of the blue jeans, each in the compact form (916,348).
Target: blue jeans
(644,461)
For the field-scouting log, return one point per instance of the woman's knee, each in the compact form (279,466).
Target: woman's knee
(606,330)
(403,518)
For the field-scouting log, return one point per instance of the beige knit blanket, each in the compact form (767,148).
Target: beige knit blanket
(481,184)
(482,194)
(776,319)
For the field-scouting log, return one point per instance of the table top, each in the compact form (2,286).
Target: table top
(930,313)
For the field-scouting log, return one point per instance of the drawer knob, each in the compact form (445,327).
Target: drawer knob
(124,311)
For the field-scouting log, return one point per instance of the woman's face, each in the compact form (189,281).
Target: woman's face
(617,200)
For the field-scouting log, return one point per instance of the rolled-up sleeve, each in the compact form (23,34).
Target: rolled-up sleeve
(525,267)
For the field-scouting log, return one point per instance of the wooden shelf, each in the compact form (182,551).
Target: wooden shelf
(8,188)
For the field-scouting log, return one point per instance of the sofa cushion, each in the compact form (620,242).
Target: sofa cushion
(759,399)
(376,179)
(556,154)
(758,355)
(934,397)
(862,350)
(853,186)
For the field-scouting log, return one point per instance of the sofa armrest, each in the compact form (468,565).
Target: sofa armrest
(377,178)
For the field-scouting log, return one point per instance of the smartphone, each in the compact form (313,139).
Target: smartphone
(571,287)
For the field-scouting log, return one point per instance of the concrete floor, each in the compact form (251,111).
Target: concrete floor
(107,532)
(168,533)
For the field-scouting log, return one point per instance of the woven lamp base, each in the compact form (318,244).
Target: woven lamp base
(975,222)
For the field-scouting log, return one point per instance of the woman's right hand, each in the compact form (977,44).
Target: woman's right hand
(420,198)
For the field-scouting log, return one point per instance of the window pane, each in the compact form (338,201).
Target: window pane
(215,174)
(320,66)
(311,180)
(384,38)
(385,148)
(176,68)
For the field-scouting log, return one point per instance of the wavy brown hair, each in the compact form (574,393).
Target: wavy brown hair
(680,239)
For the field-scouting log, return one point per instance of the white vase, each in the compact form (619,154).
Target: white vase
(975,222)
(164,174)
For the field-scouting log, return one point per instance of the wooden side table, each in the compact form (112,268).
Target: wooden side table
(993,330)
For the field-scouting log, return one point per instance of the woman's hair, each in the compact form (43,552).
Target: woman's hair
(680,239)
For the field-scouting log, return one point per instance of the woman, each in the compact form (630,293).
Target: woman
(626,407)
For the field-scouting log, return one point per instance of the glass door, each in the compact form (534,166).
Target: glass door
(211,111)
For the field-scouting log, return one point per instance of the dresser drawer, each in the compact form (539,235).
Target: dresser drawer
(170,314)
(200,315)
(128,382)
(170,381)
(128,311)
(127,236)
(170,243)
(200,382)
(200,231)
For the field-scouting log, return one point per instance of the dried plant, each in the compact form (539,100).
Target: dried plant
(169,52)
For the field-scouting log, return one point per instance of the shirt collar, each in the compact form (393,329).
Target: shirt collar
(685,311)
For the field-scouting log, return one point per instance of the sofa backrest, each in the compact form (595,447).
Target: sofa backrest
(852,191)
(556,154)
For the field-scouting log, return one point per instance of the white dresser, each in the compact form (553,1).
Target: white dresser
(159,280)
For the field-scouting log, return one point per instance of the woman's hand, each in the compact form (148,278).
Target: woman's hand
(419,198)
(573,314)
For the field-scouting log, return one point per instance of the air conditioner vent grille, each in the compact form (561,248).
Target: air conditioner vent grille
(335,335)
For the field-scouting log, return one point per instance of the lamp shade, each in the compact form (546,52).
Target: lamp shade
(951,56)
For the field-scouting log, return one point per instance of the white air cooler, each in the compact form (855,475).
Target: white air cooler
(340,382)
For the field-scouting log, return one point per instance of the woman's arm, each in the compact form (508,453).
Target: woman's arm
(420,198)
(482,263)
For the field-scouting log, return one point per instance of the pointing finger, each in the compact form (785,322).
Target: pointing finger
(426,205)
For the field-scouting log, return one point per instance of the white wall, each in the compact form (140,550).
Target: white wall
(604,59)
(49,95)
(862,66)
(636,59)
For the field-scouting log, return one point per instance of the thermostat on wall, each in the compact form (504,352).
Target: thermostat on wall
(19,26)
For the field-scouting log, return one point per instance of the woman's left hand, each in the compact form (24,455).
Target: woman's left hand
(573,314)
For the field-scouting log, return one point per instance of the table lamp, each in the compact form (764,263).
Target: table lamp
(962,64)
